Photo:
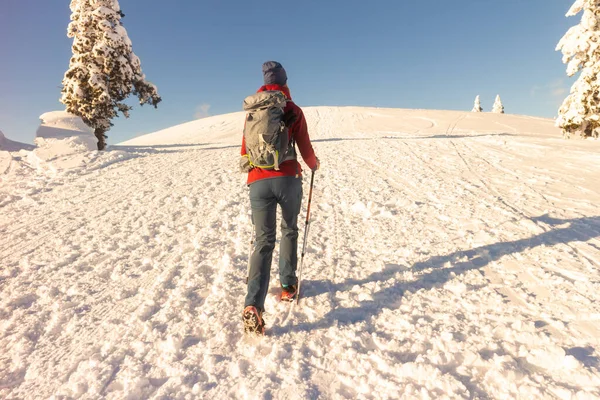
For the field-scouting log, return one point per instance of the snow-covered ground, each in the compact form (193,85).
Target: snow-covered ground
(451,255)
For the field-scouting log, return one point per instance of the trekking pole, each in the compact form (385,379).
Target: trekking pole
(306,229)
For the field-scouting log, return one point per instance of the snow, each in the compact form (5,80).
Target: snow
(10,145)
(6,158)
(451,255)
(62,141)
(59,124)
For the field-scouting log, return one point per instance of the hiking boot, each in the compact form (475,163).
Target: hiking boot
(289,292)
(253,322)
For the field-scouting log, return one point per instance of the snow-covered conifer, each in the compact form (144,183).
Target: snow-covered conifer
(498,107)
(477,105)
(103,71)
(580,111)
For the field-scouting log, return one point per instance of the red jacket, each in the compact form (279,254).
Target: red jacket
(299,132)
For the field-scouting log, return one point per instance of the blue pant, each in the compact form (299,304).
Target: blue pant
(264,197)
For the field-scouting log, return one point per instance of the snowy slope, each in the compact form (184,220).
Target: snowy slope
(451,255)
(10,145)
(7,147)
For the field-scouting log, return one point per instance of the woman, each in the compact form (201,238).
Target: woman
(268,188)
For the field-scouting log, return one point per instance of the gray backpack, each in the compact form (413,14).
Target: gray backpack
(265,131)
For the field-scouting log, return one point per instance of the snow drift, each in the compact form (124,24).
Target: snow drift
(64,133)
(62,141)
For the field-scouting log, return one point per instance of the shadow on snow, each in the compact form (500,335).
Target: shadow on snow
(580,229)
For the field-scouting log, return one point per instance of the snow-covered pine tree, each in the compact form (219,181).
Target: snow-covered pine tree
(580,111)
(103,71)
(498,107)
(477,105)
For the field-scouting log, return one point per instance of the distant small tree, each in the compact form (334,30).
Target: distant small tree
(580,111)
(103,71)
(498,107)
(477,105)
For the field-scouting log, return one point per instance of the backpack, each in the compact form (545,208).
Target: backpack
(265,131)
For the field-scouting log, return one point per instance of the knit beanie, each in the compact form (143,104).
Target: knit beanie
(274,74)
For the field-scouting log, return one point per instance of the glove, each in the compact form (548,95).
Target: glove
(245,165)
(318,165)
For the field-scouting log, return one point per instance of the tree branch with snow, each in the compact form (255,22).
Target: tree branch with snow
(580,111)
(103,70)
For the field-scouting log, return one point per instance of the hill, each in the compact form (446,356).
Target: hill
(451,255)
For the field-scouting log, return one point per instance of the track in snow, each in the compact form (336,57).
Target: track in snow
(445,257)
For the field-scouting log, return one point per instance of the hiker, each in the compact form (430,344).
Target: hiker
(277,181)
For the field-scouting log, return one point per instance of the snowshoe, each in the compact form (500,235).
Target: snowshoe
(253,322)
(288,293)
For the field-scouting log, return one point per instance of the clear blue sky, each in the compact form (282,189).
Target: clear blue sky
(435,54)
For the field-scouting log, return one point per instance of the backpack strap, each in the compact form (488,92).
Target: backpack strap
(289,118)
